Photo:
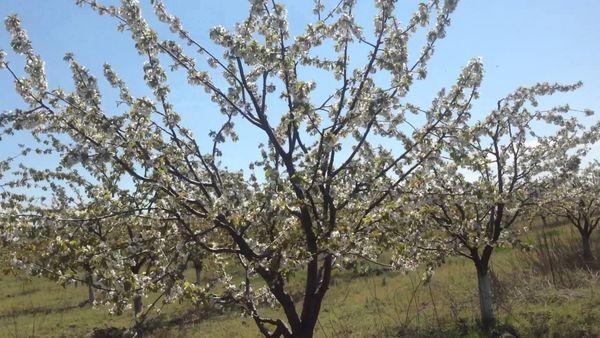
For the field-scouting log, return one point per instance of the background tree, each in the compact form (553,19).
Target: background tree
(574,195)
(486,181)
(120,258)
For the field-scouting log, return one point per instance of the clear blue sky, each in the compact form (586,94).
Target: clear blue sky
(521,42)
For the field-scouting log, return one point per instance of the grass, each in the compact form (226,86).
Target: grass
(532,301)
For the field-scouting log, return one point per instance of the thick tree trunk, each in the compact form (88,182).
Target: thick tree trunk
(307,328)
(314,299)
(586,247)
(317,284)
(484,283)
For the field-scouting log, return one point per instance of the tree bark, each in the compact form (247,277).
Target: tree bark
(484,284)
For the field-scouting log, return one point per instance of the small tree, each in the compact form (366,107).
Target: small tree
(574,196)
(486,181)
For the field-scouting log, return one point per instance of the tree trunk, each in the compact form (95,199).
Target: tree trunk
(137,307)
(314,299)
(316,286)
(485,298)
(307,328)
(587,247)
(198,269)
(91,291)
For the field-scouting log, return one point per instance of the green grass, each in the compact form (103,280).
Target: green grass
(377,305)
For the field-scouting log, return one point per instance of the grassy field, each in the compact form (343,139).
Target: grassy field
(546,292)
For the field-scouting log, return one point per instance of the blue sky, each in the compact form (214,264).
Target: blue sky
(521,42)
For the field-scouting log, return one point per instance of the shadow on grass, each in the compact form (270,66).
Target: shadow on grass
(38,310)
(462,328)
(160,324)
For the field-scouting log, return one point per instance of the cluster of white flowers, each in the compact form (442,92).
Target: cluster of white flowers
(20,41)
(86,85)
(116,82)
(34,65)
(2,59)
(173,21)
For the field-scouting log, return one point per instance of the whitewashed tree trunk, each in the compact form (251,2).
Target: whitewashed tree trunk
(484,283)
